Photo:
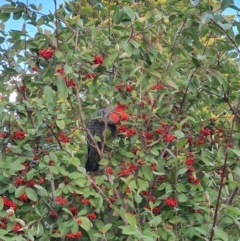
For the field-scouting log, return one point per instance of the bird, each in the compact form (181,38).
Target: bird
(112,116)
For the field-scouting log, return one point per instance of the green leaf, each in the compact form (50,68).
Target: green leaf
(53,169)
(60,124)
(181,143)
(154,73)
(107,42)
(76,175)
(147,172)
(41,191)
(48,94)
(106,227)
(235,151)
(86,224)
(129,230)
(1,203)
(68,69)
(31,194)
(19,191)
(182,197)
(39,7)
(128,47)
(61,89)
(61,116)
(182,171)
(225,4)
(155,152)
(131,219)
(66,210)
(129,12)
(75,161)
(58,54)
(220,233)
(196,62)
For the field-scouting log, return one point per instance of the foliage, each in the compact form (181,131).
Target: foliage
(173,171)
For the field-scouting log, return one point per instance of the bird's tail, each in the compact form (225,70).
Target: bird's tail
(93,159)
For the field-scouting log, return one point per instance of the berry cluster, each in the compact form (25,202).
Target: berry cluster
(157,87)
(73,210)
(124,129)
(155,210)
(112,200)
(70,83)
(60,71)
(207,131)
(85,201)
(41,180)
(19,135)
(61,201)
(148,135)
(194,180)
(46,53)
(63,138)
(98,60)
(53,214)
(9,203)
(22,88)
(17,227)
(78,234)
(3,222)
(109,170)
(34,69)
(23,198)
(3,135)
(91,216)
(128,88)
(171,202)
(90,75)
(169,138)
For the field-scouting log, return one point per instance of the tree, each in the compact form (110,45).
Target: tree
(173,171)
